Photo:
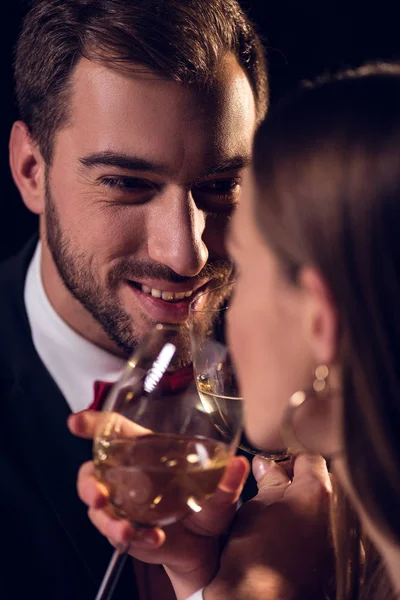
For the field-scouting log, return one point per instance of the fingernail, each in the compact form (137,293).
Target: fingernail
(233,476)
(144,537)
(261,466)
(100,496)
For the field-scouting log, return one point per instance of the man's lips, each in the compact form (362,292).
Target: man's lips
(168,292)
(168,311)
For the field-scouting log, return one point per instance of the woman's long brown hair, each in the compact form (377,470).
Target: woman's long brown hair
(327,168)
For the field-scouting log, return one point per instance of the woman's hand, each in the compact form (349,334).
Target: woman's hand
(280,545)
(190,549)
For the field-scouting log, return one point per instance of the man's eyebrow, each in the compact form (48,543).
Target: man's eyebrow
(232,164)
(120,161)
(135,163)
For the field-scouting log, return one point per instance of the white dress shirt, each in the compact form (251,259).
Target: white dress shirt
(197,595)
(73,362)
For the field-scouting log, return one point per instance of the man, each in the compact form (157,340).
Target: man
(136,124)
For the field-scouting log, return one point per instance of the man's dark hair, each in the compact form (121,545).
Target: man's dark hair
(182,40)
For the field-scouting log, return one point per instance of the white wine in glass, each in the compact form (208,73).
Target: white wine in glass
(157,479)
(214,371)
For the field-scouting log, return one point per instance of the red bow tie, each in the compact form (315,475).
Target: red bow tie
(172,383)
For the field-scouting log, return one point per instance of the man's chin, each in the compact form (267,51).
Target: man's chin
(142,327)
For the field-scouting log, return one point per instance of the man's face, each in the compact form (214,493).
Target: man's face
(144,179)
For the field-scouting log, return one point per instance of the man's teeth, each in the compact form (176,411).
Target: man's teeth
(167,296)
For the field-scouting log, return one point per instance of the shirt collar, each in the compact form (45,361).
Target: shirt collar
(73,362)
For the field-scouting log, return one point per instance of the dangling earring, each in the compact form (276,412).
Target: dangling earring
(318,385)
(319,391)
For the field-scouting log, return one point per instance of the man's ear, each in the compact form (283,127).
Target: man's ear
(27,167)
(320,316)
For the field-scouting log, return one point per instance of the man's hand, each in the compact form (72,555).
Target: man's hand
(189,550)
(279,546)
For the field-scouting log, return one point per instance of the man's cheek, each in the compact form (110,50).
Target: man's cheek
(215,238)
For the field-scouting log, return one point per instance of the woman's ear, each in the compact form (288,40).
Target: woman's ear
(320,316)
(27,167)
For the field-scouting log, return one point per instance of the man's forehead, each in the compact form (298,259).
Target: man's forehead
(228,88)
(139,116)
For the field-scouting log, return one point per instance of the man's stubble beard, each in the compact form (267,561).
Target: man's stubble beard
(76,274)
(103,305)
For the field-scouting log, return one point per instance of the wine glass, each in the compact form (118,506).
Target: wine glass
(156,450)
(213,368)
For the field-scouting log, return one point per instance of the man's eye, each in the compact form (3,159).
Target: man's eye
(222,192)
(127,184)
(220,186)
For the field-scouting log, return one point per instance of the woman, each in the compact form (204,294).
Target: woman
(315,325)
(321,299)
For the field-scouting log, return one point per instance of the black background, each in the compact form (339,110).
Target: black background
(303,40)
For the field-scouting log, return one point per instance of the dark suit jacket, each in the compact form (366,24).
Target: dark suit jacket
(49,547)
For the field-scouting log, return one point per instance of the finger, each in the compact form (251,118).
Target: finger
(146,539)
(122,533)
(272,480)
(311,466)
(119,530)
(220,509)
(84,424)
(311,486)
(87,423)
(91,491)
(231,485)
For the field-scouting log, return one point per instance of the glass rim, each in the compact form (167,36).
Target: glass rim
(209,310)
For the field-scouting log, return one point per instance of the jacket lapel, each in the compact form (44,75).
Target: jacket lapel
(41,439)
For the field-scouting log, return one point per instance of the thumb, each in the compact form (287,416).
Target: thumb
(272,480)
(220,509)
(86,423)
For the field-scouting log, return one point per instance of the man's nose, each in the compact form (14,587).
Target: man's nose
(176,230)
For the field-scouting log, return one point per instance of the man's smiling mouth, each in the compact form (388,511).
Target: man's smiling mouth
(165,295)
